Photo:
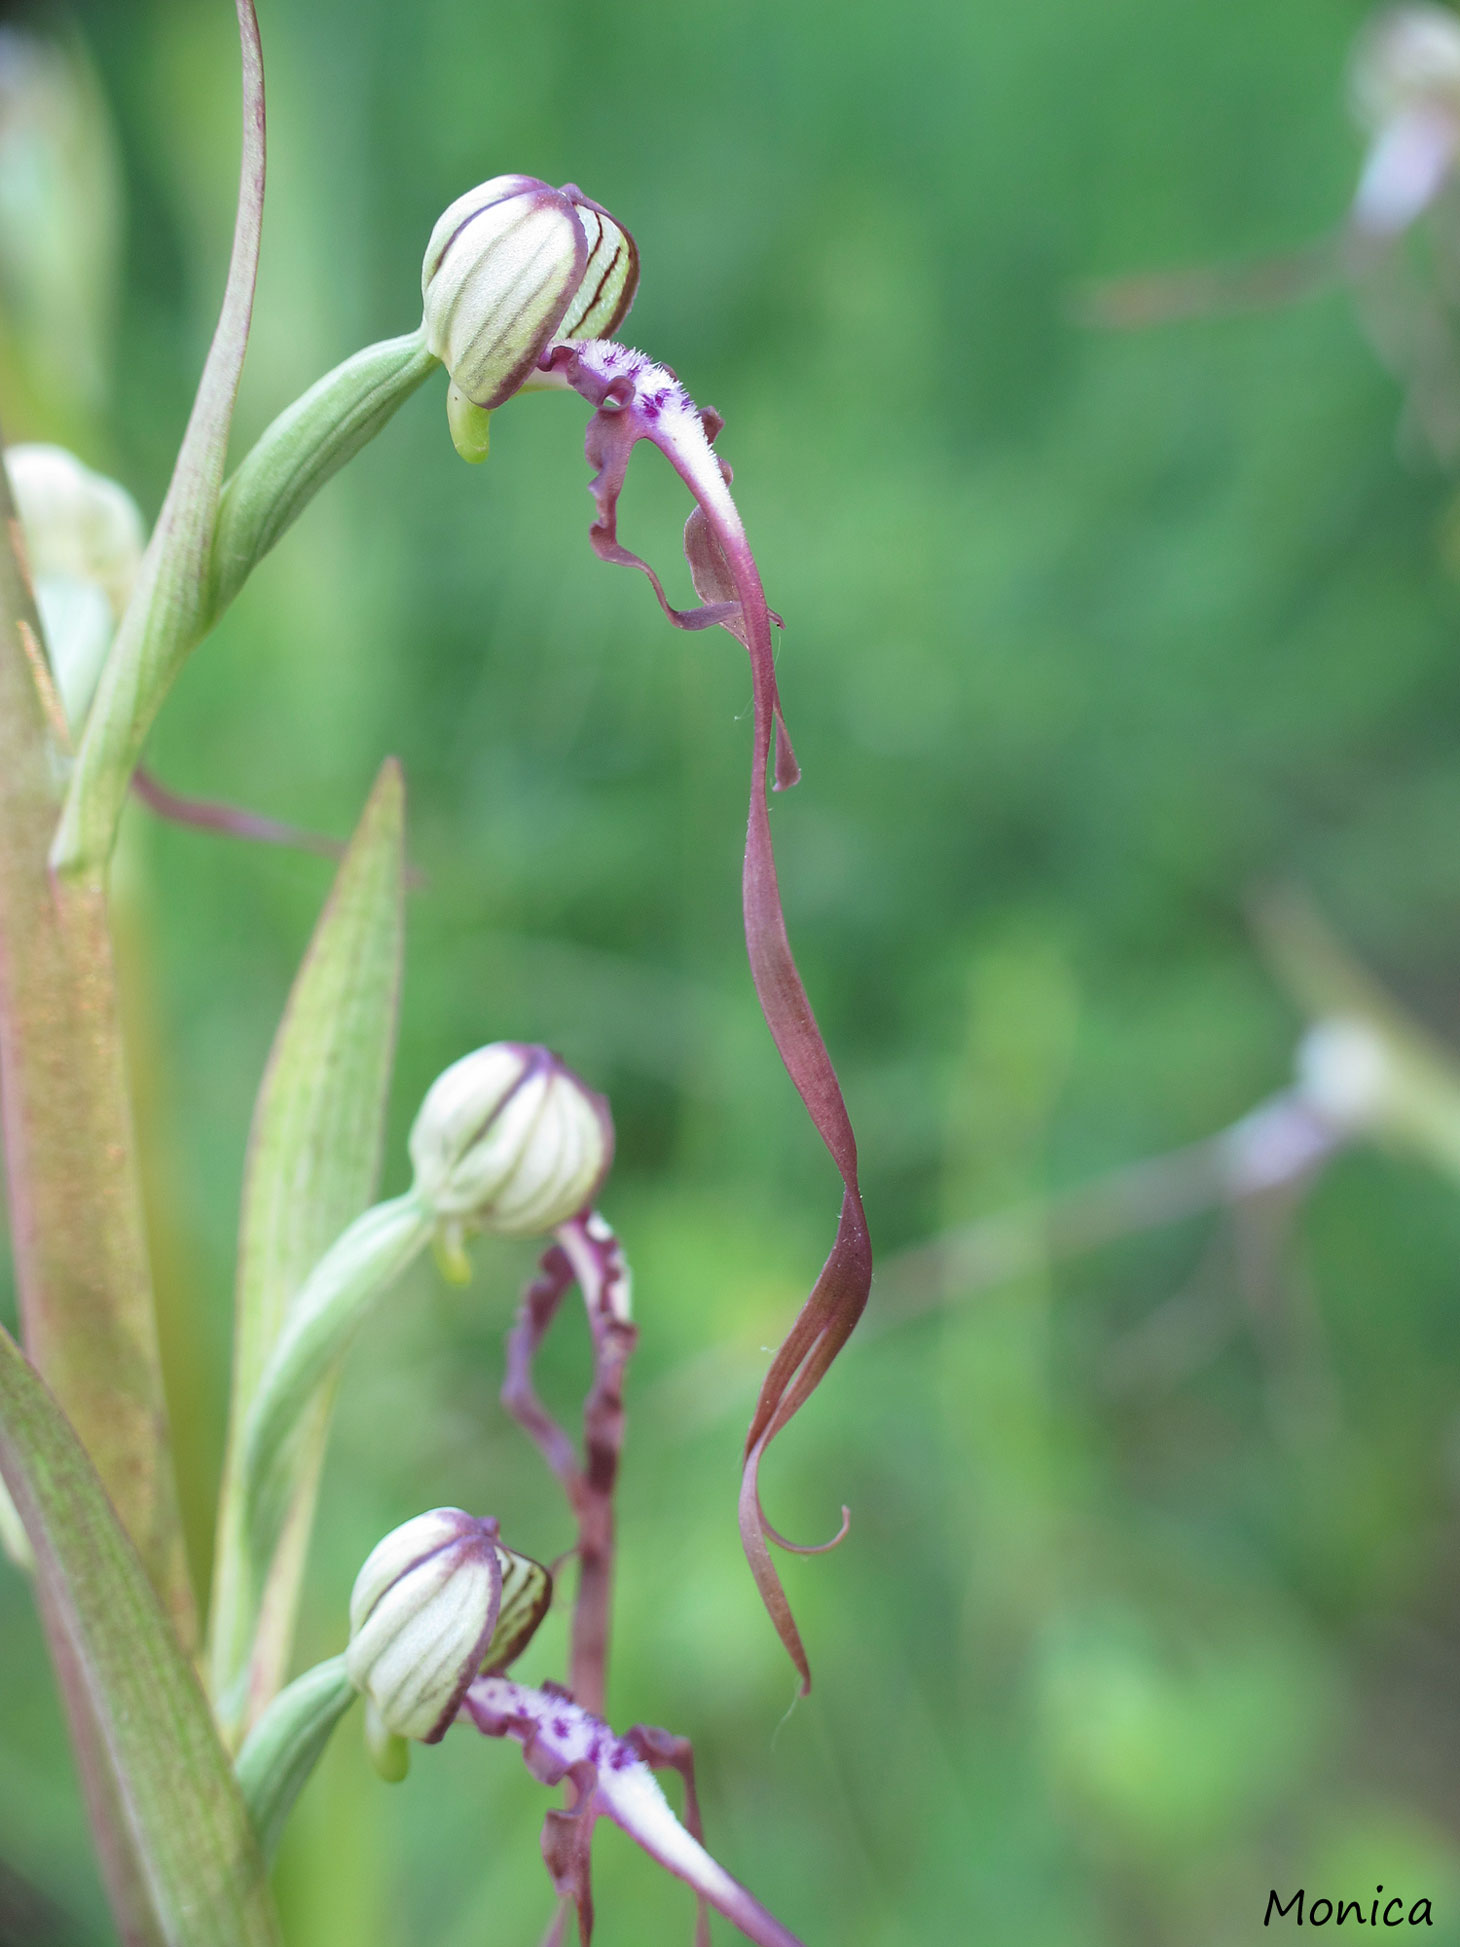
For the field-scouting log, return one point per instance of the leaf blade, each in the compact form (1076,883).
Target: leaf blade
(196,1850)
(314,1160)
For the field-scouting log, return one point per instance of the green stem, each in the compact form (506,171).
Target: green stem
(167,614)
(287,1743)
(209,539)
(357,1270)
(75,1204)
(306,446)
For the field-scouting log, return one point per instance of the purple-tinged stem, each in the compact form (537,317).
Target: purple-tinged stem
(561,1741)
(633,400)
(232,821)
(558,1925)
(587,1253)
(229,821)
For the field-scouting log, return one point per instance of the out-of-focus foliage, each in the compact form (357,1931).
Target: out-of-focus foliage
(1152,1596)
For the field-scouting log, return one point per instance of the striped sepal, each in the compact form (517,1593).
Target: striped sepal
(599,304)
(527,1594)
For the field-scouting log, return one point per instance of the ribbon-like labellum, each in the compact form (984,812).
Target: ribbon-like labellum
(635,399)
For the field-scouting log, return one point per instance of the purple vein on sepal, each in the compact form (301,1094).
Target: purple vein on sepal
(634,399)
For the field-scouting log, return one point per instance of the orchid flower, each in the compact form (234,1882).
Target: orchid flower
(1406,87)
(522,285)
(439,1612)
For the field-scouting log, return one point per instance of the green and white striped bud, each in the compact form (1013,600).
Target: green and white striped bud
(422,1614)
(510,1140)
(439,1601)
(510,266)
(84,539)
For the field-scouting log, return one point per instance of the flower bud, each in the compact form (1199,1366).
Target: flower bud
(436,1602)
(510,265)
(510,1140)
(83,537)
(421,1616)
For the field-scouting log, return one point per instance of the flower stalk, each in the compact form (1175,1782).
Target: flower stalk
(303,449)
(168,613)
(586,1253)
(287,1743)
(507,1140)
(520,282)
(357,1271)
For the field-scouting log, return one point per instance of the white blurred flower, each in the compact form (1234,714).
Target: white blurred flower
(1406,89)
(1345,1071)
(84,538)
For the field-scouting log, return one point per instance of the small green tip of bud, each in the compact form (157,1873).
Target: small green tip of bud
(448,1247)
(389,1753)
(469,423)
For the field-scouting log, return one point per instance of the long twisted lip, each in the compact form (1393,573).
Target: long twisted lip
(634,399)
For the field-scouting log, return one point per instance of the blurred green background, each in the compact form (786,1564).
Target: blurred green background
(1089,636)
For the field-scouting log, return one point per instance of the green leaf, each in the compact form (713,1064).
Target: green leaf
(193,1842)
(314,1161)
(168,612)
